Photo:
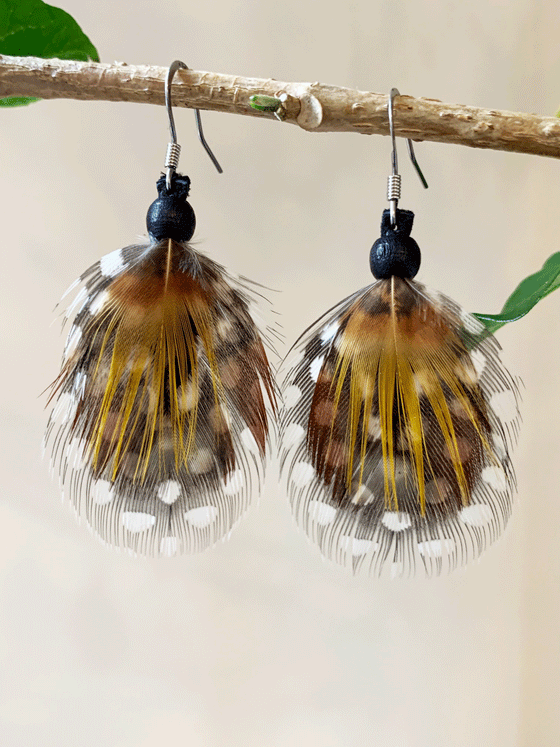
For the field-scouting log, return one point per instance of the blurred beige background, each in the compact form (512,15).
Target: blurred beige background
(259,642)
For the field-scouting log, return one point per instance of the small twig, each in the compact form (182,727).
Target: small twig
(314,107)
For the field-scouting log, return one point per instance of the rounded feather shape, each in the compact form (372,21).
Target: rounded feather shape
(164,382)
(396,440)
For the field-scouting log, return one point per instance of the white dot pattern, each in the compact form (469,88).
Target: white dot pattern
(111,264)
(329,332)
(396,522)
(137,521)
(202,516)
(292,396)
(504,405)
(293,435)
(248,440)
(234,483)
(479,362)
(315,367)
(435,548)
(302,474)
(321,513)
(102,492)
(495,477)
(169,491)
(350,522)
(73,340)
(98,302)
(477,515)
(356,546)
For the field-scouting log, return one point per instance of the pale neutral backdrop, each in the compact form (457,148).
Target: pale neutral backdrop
(259,642)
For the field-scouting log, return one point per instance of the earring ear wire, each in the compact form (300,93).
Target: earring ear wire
(394,180)
(173,147)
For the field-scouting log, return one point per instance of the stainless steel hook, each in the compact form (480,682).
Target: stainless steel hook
(173,148)
(394,181)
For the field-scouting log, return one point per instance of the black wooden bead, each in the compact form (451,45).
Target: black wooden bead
(395,253)
(171,216)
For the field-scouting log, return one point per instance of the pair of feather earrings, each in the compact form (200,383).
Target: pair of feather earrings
(392,442)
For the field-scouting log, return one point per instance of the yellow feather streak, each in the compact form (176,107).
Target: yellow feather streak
(155,352)
(378,358)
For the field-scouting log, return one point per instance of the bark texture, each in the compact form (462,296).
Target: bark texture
(315,107)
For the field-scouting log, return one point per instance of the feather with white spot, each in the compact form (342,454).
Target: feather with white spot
(162,408)
(396,431)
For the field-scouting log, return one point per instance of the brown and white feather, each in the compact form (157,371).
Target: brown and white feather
(396,438)
(162,407)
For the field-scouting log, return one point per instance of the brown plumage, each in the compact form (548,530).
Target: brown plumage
(160,425)
(402,457)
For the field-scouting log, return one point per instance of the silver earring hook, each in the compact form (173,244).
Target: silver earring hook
(394,181)
(173,148)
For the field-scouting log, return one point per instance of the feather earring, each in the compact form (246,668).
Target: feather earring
(160,422)
(398,420)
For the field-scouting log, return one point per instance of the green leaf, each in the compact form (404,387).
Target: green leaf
(264,103)
(527,294)
(31,28)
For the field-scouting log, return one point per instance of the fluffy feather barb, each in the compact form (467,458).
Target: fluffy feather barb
(401,445)
(161,423)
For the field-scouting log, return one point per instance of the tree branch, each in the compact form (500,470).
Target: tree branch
(314,107)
